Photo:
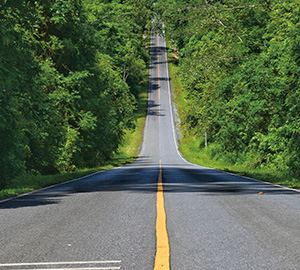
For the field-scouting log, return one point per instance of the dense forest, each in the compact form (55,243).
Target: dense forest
(71,72)
(70,75)
(240,63)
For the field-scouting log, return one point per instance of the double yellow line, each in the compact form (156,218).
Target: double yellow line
(162,258)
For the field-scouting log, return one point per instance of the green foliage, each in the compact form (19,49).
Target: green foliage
(239,65)
(70,76)
(192,146)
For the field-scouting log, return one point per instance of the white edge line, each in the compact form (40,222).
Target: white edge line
(97,268)
(57,185)
(257,180)
(59,263)
(196,165)
(172,116)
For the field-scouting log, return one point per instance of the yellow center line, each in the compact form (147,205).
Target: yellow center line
(162,258)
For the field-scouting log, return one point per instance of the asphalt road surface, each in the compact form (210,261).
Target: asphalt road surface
(214,220)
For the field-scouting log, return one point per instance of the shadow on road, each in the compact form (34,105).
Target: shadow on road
(142,177)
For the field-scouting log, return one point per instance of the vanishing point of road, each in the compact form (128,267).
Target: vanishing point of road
(160,212)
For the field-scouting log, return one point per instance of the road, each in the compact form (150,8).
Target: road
(115,219)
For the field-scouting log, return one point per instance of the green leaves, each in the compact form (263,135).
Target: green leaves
(240,68)
(70,72)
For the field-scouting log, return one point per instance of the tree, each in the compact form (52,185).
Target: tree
(239,65)
(70,74)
